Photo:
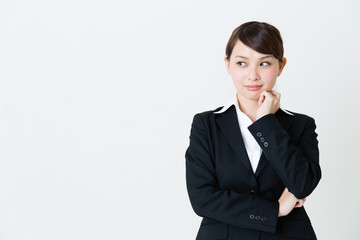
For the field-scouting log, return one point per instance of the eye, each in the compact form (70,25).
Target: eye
(264,64)
(242,64)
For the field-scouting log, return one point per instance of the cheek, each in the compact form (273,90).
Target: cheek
(237,76)
(238,79)
(270,75)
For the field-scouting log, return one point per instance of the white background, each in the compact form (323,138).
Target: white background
(97,98)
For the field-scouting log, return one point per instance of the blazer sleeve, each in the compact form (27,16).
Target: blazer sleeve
(297,165)
(244,210)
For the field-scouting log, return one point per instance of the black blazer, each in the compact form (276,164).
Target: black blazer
(237,203)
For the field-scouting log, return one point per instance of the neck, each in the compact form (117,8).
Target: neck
(248,106)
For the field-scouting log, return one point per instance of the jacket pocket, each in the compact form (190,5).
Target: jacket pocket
(213,231)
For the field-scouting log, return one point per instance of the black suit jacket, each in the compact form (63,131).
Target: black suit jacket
(237,203)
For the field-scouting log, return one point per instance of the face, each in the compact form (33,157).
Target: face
(252,72)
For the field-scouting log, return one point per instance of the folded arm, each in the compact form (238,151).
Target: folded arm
(297,164)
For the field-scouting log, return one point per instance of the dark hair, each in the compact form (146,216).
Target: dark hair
(259,36)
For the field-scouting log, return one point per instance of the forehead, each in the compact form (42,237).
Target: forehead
(241,49)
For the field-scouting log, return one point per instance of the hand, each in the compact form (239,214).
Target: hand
(269,102)
(287,202)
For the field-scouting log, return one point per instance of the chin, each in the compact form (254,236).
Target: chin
(250,95)
(254,97)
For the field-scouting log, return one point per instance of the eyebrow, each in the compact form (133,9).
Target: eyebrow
(267,56)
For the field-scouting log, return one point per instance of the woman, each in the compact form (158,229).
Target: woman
(250,164)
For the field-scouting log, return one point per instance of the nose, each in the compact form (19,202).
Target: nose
(253,74)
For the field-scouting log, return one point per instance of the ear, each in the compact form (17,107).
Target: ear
(227,63)
(282,65)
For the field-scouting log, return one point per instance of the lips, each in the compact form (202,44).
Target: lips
(253,87)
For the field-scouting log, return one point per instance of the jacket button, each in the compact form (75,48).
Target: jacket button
(257,218)
(262,139)
(251,216)
(266,144)
(263,219)
(259,134)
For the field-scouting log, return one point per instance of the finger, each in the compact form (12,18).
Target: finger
(299,203)
(261,99)
(265,95)
(276,94)
(272,95)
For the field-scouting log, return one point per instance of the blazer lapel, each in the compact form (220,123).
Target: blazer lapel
(229,125)
(261,165)
(285,121)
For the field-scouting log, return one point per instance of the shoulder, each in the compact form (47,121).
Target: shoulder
(208,113)
(300,116)
(301,120)
(203,118)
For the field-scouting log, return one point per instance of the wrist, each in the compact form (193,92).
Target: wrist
(262,115)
